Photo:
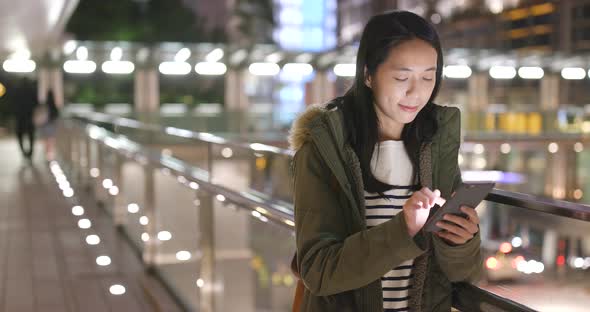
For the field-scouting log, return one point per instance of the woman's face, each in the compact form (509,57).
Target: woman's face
(403,84)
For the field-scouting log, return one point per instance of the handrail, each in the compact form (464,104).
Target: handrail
(279,212)
(467,297)
(204,137)
(541,204)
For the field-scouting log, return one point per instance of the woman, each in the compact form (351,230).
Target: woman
(48,129)
(368,169)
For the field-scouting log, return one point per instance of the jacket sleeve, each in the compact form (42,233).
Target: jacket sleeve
(462,262)
(330,259)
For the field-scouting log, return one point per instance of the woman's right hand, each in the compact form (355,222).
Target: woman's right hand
(417,208)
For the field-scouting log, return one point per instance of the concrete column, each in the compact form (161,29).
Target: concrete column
(57,85)
(550,92)
(549,252)
(556,186)
(478,92)
(236,98)
(43,83)
(146,90)
(586,246)
(51,79)
(323,89)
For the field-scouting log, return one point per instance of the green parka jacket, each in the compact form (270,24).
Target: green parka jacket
(341,262)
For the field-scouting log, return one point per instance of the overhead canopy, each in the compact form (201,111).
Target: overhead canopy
(32,25)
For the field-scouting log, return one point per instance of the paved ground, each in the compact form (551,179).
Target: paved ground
(45,263)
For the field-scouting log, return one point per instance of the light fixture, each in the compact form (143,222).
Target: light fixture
(502,72)
(527,72)
(19,66)
(103,260)
(118,67)
(174,68)
(183,255)
(164,235)
(573,73)
(182,55)
(210,68)
(107,183)
(298,69)
(133,208)
(77,210)
(79,67)
(345,70)
(117,290)
(84,224)
(457,71)
(264,69)
(215,55)
(227,152)
(92,239)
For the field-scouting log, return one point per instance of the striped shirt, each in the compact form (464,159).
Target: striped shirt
(390,164)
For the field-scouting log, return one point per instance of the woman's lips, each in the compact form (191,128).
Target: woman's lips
(410,109)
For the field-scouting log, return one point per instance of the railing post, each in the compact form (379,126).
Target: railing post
(150,247)
(89,158)
(210,160)
(97,187)
(119,209)
(207,247)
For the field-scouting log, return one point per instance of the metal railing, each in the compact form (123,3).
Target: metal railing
(91,152)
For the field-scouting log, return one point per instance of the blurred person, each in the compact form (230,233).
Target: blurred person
(368,169)
(24,101)
(48,129)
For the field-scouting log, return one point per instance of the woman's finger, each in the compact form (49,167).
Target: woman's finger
(455,229)
(453,238)
(432,195)
(421,197)
(473,217)
(466,224)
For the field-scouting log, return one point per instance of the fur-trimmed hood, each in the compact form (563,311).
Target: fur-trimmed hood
(313,119)
(301,129)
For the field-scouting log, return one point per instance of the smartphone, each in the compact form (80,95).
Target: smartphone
(468,194)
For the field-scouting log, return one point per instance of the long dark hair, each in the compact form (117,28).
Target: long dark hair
(382,33)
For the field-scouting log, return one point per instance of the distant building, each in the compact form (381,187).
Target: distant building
(554,25)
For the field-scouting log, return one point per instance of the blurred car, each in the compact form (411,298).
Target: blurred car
(503,262)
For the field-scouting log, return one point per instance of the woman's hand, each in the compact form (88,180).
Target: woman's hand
(417,208)
(458,230)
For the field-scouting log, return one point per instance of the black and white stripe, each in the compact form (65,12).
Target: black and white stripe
(396,283)
(391,164)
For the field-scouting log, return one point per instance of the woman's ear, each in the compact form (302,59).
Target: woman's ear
(367,78)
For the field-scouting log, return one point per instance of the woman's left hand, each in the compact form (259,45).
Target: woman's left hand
(458,230)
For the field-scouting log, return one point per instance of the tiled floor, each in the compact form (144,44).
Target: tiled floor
(45,262)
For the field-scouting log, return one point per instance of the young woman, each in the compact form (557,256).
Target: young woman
(368,169)
(49,129)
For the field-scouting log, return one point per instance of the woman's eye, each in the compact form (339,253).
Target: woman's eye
(401,79)
(427,79)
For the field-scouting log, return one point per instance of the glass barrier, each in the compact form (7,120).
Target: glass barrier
(201,221)
(214,252)
(536,259)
